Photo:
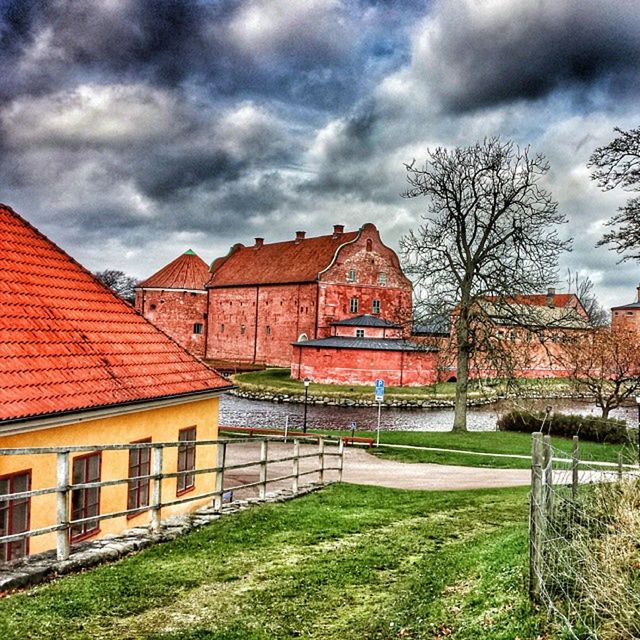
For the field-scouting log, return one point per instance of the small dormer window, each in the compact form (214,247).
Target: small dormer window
(351,275)
(197,328)
(353,305)
(382,278)
(359,333)
(375,306)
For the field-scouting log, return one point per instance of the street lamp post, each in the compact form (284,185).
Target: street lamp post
(306,396)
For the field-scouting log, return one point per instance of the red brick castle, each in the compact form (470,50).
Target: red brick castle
(256,301)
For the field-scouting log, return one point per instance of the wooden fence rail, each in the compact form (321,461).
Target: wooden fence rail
(63,489)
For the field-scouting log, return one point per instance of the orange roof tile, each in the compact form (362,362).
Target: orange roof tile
(67,343)
(560,300)
(188,271)
(279,262)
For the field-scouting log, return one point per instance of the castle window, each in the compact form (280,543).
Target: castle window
(221,328)
(359,333)
(382,278)
(268,330)
(353,305)
(369,244)
(375,306)
(242,329)
(351,275)
(197,328)
(152,307)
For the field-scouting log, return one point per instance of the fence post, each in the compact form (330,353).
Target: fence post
(62,505)
(341,460)
(156,491)
(221,455)
(620,466)
(548,478)
(575,460)
(296,465)
(264,450)
(535,518)
(321,458)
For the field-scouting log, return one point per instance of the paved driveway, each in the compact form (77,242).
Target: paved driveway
(360,467)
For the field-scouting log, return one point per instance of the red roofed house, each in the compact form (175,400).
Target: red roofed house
(175,300)
(264,297)
(78,366)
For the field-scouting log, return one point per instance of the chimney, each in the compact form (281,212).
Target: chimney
(638,290)
(259,242)
(551,292)
(338,230)
(300,236)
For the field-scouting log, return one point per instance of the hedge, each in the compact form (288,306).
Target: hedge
(567,425)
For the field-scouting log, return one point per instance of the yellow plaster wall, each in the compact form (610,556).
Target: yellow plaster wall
(160,424)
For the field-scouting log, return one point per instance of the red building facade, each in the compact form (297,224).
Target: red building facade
(627,317)
(265,297)
(174,300)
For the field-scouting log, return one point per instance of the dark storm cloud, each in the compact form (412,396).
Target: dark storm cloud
(480,54)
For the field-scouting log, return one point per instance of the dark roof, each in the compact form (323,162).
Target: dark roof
(279,262)
(436,325)
(68,343)
(377,344)
(187,271)
(365,320)
(632,305)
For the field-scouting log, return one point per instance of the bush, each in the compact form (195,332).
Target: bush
(589,428)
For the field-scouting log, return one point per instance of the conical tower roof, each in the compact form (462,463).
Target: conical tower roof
(188,271)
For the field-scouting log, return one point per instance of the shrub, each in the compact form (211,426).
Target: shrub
(590,428)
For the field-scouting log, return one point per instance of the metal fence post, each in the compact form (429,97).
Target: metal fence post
(535,518)
(547,463)
(575,460)
(221,456)
(341,459)
(62,505)
(156,493)
(264,450)
(296,465)
(321,458)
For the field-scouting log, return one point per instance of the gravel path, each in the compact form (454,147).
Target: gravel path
(360,467)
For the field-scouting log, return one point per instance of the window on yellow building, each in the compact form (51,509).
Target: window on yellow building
(14,515)
(85,503)
(139,465)
(186,459)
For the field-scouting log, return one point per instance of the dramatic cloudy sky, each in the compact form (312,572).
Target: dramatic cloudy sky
(131,130)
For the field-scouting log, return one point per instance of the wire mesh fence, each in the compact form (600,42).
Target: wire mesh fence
(585,542)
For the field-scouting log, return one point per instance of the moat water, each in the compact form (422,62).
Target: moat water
(255,413)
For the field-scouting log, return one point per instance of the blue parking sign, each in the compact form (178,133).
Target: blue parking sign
(379,390)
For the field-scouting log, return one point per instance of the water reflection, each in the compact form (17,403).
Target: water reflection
(255,413)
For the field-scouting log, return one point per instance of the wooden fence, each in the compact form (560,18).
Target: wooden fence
(61,524)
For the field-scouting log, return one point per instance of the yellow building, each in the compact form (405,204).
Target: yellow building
(80,368)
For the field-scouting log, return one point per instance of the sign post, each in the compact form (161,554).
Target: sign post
(379,399)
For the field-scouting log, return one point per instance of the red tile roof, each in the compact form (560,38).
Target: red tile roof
(279,262)
(560,300)
(67,343)
(188,271)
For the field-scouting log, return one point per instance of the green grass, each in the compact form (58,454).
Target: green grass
(275,380)
(348,563)
(505,442)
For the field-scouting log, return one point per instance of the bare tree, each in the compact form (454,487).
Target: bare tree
(618,165)
(490,230)
(585,291)
(119,282)
(606,364)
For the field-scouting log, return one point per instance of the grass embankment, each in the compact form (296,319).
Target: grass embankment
(348,563)
(278,381)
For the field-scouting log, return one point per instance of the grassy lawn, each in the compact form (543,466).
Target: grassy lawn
(348,563)
(488,442)
(276,380)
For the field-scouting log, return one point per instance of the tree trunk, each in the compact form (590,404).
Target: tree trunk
(462,369)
